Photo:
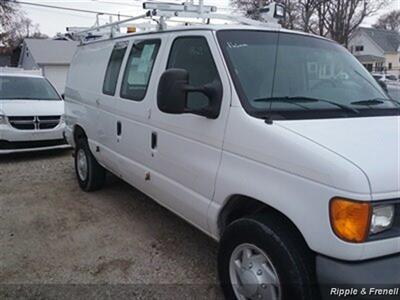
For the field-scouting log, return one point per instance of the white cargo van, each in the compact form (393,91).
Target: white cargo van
(278,144)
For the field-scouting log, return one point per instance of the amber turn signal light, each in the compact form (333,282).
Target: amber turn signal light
(350,219)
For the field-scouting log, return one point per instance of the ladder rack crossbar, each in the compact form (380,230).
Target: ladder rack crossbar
(112,25)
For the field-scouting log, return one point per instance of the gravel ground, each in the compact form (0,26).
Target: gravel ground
(57,242)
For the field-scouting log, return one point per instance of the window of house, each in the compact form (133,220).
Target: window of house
(138,69)
(390,66)
(369,67)
(113,69)
(359,48)
(193,55)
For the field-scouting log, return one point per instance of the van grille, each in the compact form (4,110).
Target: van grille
(34,122)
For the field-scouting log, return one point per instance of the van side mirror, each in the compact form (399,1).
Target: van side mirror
(173,91)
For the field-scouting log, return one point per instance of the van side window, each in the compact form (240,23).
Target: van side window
(138,69)
(114,66)
(193,55)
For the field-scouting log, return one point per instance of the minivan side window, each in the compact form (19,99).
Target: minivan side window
(138,69)
(113,68)
(193,54)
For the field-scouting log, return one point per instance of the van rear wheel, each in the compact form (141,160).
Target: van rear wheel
(90,174)
(261,258)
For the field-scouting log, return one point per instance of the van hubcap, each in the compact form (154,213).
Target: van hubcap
(82,164)
(253,275)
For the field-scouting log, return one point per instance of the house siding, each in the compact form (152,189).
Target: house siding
(26,60)
(55,72)
(370,48)
(57,75)
(393,59)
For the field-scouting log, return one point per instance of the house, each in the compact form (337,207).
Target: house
(377,49)
(53,57)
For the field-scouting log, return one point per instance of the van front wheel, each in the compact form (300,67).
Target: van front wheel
(260,258)
(90,175)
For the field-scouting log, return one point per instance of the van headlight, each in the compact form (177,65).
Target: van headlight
(3,119)
(382,218)
(356,221)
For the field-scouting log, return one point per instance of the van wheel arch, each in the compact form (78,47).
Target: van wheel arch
(79,134)
(250,224)
(240,206)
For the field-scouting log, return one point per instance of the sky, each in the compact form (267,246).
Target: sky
(52,21)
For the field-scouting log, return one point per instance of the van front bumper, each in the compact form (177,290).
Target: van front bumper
(13,140)
(371,279)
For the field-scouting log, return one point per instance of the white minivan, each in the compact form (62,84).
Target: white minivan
(278,144)
(31,113)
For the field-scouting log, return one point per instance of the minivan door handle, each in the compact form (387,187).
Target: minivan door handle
(119,128)
(153,140)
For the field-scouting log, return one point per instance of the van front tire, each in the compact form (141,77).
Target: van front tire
(90,174)
(261,257)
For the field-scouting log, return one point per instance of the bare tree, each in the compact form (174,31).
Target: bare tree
(7,11)
(293,16)
(336,19)
(319,27)
(307,10)
(390,21)
(18,31)
(250,7)
(15,26)
(345,16)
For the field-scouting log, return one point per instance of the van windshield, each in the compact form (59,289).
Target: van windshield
(288,76)
(26,88)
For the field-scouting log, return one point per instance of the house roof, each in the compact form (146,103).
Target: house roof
(51,51)
(370,58)
(389,41)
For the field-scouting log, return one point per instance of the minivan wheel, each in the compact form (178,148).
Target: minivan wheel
(261,258)
(90,175)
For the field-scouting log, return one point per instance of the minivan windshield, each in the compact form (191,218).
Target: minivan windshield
(26,88)
(289,76)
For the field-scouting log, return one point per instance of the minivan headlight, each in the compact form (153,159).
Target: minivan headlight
(355,221)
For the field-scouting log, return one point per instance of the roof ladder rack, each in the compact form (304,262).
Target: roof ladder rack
(162,13)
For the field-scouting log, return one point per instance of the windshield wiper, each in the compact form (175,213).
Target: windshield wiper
(376,101)
(297,100)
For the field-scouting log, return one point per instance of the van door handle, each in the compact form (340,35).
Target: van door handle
(153,140)
(119,128)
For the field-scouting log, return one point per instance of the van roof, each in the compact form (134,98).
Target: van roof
(19,72)
(203,27)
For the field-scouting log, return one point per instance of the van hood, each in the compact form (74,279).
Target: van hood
(372,144)
(19,108)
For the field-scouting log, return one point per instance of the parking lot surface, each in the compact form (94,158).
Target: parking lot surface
(59,242)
